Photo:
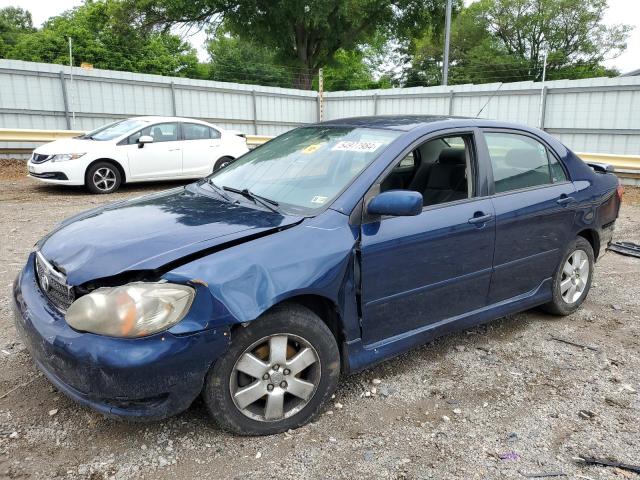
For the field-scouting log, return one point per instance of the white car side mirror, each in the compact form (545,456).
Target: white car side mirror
(144,139)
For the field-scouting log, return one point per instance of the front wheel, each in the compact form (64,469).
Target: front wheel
(103,177)
(276,375)
(572,280)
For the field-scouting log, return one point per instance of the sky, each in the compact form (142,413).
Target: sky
(620,11)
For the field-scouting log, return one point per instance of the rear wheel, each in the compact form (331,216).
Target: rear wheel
(276,375)
(572,280)
(103,177)
(221,163)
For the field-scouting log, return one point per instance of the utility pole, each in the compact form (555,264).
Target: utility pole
(542,91)
(320,95)
(73,111)
(447,38)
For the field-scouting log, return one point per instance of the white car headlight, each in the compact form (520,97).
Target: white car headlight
(133,310)
(63,157)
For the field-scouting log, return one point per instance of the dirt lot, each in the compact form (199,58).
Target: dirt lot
(499,401)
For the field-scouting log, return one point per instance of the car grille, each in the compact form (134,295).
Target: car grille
(53,284)
(39,158)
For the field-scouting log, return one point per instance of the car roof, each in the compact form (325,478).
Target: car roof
(156,118)
(407,123)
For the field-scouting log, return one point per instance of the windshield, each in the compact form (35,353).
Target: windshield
(305,169)
(114,130)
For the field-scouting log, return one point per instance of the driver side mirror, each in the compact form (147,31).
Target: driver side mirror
(396,203)
(144,139)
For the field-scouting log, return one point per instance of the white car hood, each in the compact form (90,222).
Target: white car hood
(71,145)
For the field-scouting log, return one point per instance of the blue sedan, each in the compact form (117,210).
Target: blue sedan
(326,250)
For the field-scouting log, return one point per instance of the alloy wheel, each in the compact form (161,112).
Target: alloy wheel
(575,276)
(104,179)
(275,377)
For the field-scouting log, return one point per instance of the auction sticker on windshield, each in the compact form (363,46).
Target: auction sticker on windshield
(319,199)
(346,146)
(312,148)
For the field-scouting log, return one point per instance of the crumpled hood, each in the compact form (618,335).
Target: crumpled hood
(150,231)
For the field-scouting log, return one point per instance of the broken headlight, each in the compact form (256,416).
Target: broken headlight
(133,310)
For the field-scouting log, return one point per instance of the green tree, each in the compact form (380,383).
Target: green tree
(235,60)
(505,41)
(353,70)
(302,35)
(14,23)
(105,34)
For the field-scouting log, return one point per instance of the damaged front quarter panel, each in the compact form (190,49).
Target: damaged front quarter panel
(313,258)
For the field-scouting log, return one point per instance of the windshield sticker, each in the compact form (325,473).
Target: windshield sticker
(319,199)
(313,148)
(345,146)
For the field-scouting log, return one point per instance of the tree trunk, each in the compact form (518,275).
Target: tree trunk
(304,79)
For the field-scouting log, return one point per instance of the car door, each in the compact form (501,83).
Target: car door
(201,149)
(161,158)
(431,268)
(534,212)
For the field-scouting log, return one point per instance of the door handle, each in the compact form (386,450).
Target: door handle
(480,218)
(173,150)
(565,200)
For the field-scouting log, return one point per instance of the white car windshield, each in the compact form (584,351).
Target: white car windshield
(307,168)
(114,130)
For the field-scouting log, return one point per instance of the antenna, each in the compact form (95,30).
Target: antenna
(492,95)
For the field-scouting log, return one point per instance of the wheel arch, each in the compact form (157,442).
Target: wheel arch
(115,163)
(228,158)
(591,236)
(323,307)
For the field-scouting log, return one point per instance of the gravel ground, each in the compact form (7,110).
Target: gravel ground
(503,400)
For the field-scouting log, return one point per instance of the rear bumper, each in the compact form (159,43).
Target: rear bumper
(606,235)
(147,378)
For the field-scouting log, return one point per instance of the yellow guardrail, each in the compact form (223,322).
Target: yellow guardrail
(32,135)
(255,140)
(623,164)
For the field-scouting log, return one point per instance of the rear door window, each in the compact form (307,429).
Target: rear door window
(194,131)
(519,161)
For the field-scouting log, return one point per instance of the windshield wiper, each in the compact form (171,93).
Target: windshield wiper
(219,190)
(265,202)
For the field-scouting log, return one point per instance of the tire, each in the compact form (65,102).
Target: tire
(226,380)
(222,162)
(103,178)
(565,302)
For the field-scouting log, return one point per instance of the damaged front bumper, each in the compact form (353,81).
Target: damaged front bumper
(147,378)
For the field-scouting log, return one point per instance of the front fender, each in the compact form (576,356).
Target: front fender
(315,257)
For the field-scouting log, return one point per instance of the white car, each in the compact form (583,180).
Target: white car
(138,149)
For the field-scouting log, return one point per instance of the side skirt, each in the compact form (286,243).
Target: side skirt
(360,356)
